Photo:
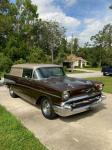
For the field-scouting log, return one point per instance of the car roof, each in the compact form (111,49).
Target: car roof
(34,66)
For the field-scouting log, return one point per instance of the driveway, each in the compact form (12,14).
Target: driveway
(87,74)
(90,130)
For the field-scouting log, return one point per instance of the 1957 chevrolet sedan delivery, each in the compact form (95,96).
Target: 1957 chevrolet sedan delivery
(57,94)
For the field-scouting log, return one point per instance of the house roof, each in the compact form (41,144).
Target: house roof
(73,58)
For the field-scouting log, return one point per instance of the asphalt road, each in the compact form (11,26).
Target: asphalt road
(90,130)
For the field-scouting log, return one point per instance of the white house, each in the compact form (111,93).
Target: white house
(73,61)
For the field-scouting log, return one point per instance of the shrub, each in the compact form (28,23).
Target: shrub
(37,56)
(5,63)
(20,61)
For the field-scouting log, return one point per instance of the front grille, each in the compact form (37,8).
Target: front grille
(85,101)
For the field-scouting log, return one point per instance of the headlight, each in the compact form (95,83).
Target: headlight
(65,95)
(99,86)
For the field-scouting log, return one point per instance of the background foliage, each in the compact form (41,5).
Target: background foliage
(26,38)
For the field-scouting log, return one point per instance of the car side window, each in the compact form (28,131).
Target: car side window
(27,73)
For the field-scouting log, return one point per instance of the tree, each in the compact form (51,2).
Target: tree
(50,35)
(62,51)
(103,43)
(16,48)
(73,45)
(5,23)
(26,19)
(26,38)
(37,56)
(5,63)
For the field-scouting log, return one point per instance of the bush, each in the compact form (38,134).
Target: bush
(37,56)
(20,61)
(5,63)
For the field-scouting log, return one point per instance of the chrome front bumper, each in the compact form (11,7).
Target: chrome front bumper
(66,110)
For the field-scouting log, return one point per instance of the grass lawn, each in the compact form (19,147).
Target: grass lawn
(13,136)
(107,83)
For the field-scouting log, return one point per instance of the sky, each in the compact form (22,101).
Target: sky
(81,18)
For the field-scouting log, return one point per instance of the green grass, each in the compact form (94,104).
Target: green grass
(13,136)
(107,83)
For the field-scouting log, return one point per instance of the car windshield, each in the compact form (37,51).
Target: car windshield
(47,72)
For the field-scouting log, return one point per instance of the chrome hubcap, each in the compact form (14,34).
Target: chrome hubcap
(46,107)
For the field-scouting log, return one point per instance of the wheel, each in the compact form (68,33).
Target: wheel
(47,109)
(12,94)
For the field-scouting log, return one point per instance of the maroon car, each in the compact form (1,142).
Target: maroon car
(57,94)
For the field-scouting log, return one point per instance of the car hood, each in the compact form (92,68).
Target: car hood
(68,83)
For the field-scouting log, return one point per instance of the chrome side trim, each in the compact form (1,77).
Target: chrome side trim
(8,81)
(39,90)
